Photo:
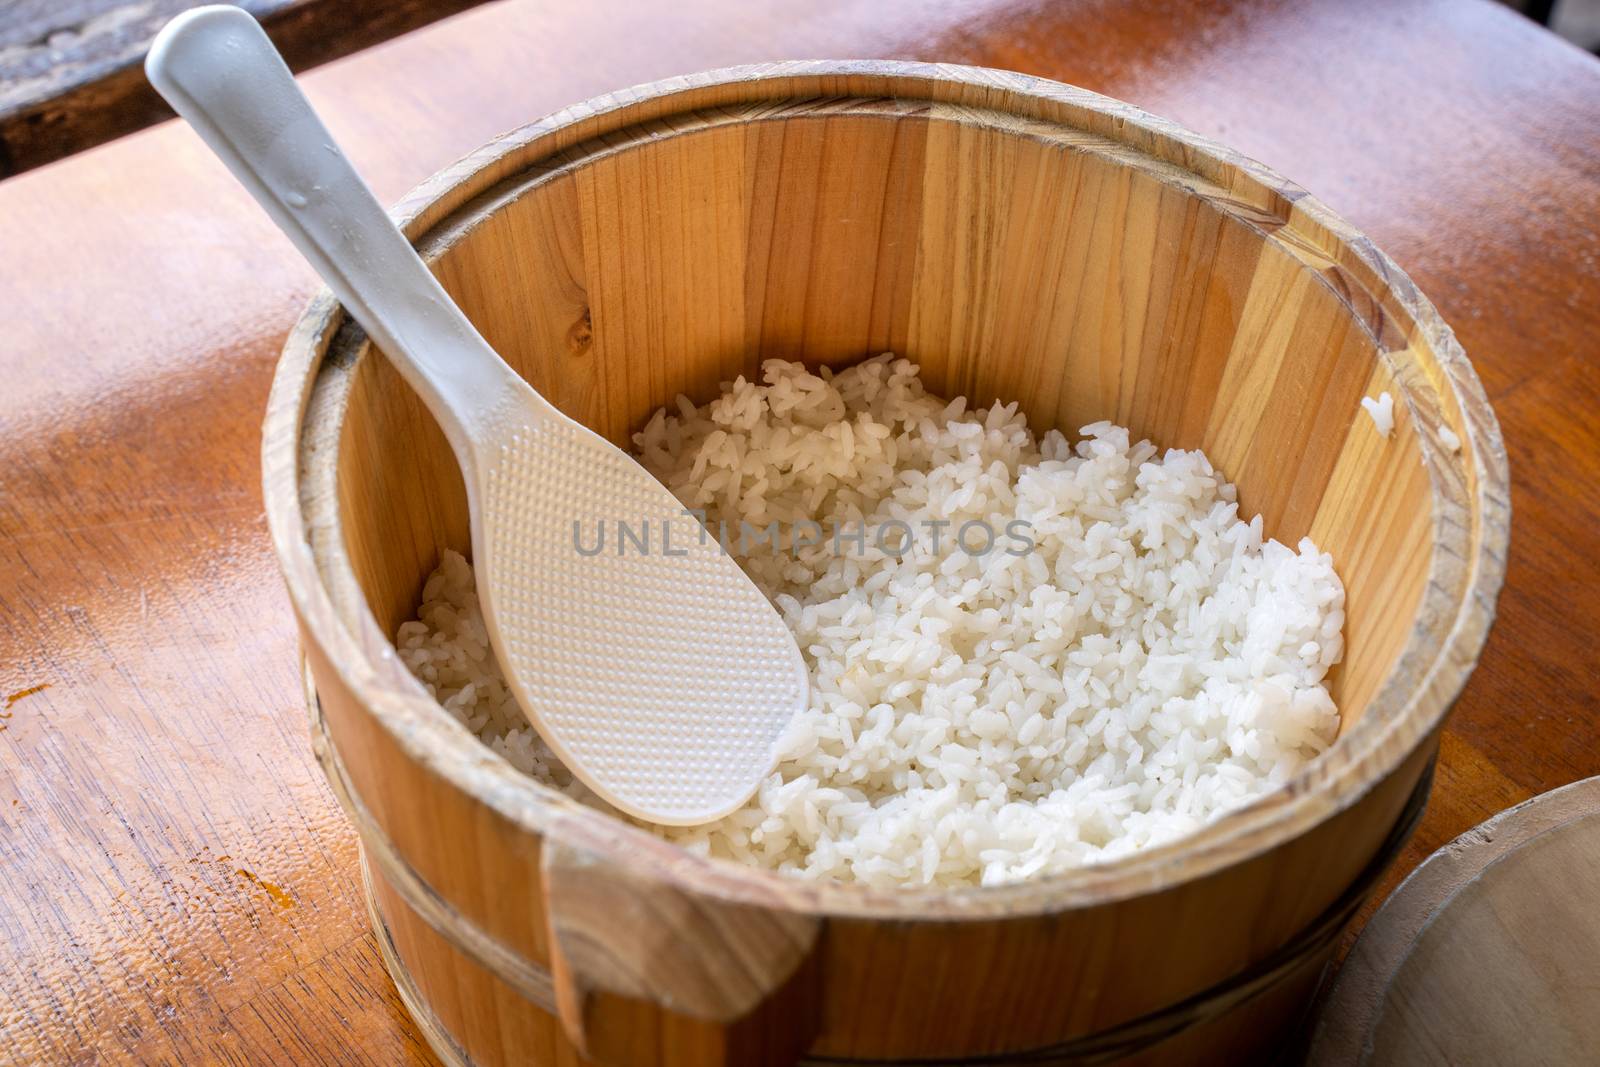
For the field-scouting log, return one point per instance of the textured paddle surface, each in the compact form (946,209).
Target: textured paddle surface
(644,656)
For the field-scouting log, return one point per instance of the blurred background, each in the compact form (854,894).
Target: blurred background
(70,74)
(1576,20)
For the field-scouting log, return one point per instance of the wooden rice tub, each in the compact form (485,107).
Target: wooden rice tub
(1022,240)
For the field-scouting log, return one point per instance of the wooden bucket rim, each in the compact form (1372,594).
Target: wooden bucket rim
(1465,571)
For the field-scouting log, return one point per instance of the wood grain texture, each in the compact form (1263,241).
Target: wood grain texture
(71,71)
(1053,235)
(1488,954)
(744,978)
(147,302)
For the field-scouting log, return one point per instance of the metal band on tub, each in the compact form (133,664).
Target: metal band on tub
(529,979)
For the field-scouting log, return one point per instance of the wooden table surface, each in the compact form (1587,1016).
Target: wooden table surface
(176,883)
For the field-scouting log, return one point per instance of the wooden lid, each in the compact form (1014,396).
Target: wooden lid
(1489,953)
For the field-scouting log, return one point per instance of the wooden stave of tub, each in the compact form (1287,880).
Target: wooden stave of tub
(654,956)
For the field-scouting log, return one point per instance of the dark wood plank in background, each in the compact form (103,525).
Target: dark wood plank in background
(71,71)
(176,883)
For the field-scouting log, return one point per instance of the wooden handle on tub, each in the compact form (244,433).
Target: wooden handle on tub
(649,974)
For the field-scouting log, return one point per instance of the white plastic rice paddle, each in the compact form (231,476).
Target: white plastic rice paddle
(658,672)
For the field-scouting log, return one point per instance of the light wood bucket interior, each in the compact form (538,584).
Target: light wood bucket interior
(1020,241)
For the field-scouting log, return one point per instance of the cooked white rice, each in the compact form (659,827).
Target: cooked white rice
(1153,663)
(1382,412)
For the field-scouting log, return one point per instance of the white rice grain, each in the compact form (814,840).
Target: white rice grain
(1382,412)
(1151,664)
